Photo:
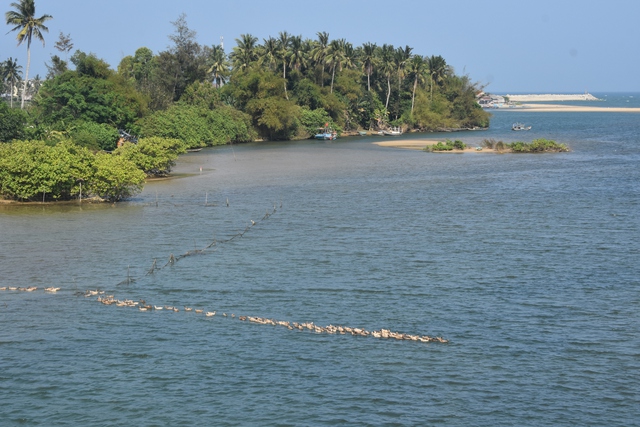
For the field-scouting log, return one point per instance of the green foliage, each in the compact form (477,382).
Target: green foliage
(12,123)
(311,120)
(540,145)
(73,96)
(115,177)
(95,136)
(31,170)
(198,127)
(154,156)
(447,145)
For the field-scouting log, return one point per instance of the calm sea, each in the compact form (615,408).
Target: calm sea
(528,264)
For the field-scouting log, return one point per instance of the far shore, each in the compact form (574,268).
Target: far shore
(550,108)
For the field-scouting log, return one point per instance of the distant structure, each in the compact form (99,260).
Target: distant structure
(222,42)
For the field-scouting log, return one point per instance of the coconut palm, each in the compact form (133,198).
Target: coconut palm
(401,57)
(245,52)
(418,68)
(297,55)
(368,57)
(28,26)
(336,57)
(320,51)
(219,65)
(12,74)
(268,53)
(438,71)
(387,66)
(284,39)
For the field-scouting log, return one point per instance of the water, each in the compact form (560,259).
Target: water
(528,264)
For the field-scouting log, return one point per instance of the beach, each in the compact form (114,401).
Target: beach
(549,108)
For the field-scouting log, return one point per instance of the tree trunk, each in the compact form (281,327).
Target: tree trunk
(284,76)
(333,74)
(386,106)
(26,76)
(413,97)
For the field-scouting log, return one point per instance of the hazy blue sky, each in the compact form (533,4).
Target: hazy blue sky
(512,46)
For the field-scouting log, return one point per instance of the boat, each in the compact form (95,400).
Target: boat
(326,133)
(520,126)
(193,150)
(362,132)
(393,132)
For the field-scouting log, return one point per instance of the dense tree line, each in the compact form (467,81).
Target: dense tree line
(283,87)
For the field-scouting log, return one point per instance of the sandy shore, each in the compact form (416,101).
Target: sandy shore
(419,144)
(552,97)
(549,108)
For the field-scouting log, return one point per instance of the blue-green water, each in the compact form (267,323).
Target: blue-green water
(528,264)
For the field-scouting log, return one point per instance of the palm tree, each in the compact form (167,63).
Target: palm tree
(418,69)
(387,65)
(438,70)
(401,57)
(297,55)
(12,73)
(24,21)
(245,52)
(284,40)
(336,57)
(368,59)
(320,51)
(219,65)
(269,52)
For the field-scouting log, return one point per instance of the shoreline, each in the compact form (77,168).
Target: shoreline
(552,108)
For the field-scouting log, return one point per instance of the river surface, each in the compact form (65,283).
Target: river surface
(528,264)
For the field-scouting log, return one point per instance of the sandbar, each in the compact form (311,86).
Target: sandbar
(419,144)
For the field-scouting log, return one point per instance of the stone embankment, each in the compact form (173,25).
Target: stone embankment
(552,97)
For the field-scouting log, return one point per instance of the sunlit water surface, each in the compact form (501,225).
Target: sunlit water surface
(528,264)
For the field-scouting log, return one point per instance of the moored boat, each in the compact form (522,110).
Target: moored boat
(520,126)
(326,133)
(395,131)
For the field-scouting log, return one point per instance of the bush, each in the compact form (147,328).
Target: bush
(12,122)
(197,126)
(95,136)
(540,145)
(448,145)
(154,156)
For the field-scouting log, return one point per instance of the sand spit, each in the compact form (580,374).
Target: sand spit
(420,144)
(552,97)
(554,108)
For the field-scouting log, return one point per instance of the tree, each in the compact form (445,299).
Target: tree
(438,70)
(368,60)
(245,52)
(283,52)
(320,51)
(387,66)
(24,21)
(12,73)
(56,68)
(418,69)
(11,123)
(218,65)
(335,57)
(64,44)
(268,53)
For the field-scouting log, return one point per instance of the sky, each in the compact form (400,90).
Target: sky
(508,46)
